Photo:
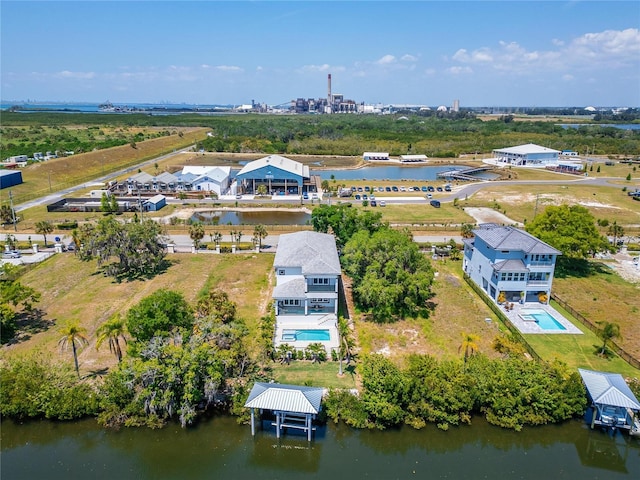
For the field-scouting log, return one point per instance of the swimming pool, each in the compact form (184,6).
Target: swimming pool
(543,318)
(306,335)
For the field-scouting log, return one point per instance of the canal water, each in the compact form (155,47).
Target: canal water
(262,217)
(219,448)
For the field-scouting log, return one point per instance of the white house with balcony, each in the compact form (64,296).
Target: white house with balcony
(307,271)
(529,155)
(510,260)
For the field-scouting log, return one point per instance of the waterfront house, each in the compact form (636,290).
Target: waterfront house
(280,176)
(307,270)
(529,155)
(509,264)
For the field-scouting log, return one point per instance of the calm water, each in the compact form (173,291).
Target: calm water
(219,448)
(266,217)
(386,172)
(622,126)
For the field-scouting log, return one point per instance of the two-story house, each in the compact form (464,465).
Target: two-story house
(508,260)
(307,271)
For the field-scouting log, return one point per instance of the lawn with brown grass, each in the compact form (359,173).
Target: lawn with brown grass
(72,291)
(605,297)
(457,310)
(42,178)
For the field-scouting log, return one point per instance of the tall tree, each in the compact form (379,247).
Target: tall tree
(570,229)
(196,233)
(44,228)
(469,344)
(608,332)
(345,349)
(123,250)
(112,331)
(259,234)
(73,336)
(159,314)
(616,231)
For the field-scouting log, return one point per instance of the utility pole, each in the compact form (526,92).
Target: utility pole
(13,212)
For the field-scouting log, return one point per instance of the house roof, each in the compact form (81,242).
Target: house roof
(219,174)
(526,149)
(314,252)
(293,288)
(288,398)
(510,266)
(509,238)
(142,177)
(166,177)
(156,199)
(609,389)
(279,162)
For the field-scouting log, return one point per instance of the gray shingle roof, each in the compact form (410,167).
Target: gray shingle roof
(510,266)
(510,238)
(294,288)
(609,389)
(314,252)
(288,398)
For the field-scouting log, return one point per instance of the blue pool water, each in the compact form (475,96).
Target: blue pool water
(544,320)
(306,335)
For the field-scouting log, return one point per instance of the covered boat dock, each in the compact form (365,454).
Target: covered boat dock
(294,406)
(613,403)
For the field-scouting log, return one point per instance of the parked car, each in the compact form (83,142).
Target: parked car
(447,188)
(357,197)
(394,188)
(11,254)
(387,189)
(439,189)
(383,203)
(238,197)
(435,203)
(429,195)
(424,188)
(305,196)
(431,189)
(374,203)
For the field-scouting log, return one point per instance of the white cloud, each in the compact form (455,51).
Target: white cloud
(408,58)
(66,74)
(567,77)
(386,60)
(457,70)
(228,68)
(317,68)
(592,51)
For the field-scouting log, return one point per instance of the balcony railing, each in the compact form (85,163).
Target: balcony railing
(546,263)
(321,288)
(537,282)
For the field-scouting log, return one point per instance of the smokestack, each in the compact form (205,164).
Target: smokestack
(329,99)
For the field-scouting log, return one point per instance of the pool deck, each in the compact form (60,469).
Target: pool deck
(531,327)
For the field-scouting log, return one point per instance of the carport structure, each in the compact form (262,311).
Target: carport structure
(294,406)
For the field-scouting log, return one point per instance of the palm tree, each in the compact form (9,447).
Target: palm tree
(346,341)
(112,330)
(608,332)
(196,233)
(73,334)
(469,344)
(44,228)
(259,233)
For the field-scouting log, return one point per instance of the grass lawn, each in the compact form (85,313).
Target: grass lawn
(72,291)
(579,351)
(323,374)
(605,296)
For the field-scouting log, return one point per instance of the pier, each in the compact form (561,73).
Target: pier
(466,174)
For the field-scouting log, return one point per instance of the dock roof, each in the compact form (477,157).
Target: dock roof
(287,398)
(609,389)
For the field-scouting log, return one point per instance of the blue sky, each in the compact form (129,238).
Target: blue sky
(498,53)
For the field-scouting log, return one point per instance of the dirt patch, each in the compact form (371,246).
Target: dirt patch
(489,215)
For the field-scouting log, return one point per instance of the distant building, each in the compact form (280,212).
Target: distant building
(367,156)
(10,178)
(529,155)
(510,260)
(280,176)
(155,203)
(413,158)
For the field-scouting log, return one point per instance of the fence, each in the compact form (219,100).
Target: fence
(634,362)
(505,320)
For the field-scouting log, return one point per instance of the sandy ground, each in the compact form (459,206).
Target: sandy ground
(626,265)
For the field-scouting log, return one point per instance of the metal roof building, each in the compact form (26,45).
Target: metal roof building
(9,178)
(279,174)
(614,404)
(531,155)
(294,406)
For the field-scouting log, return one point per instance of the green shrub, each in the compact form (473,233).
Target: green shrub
(67,225)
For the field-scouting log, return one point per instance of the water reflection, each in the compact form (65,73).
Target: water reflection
(262,217)
(220,448)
